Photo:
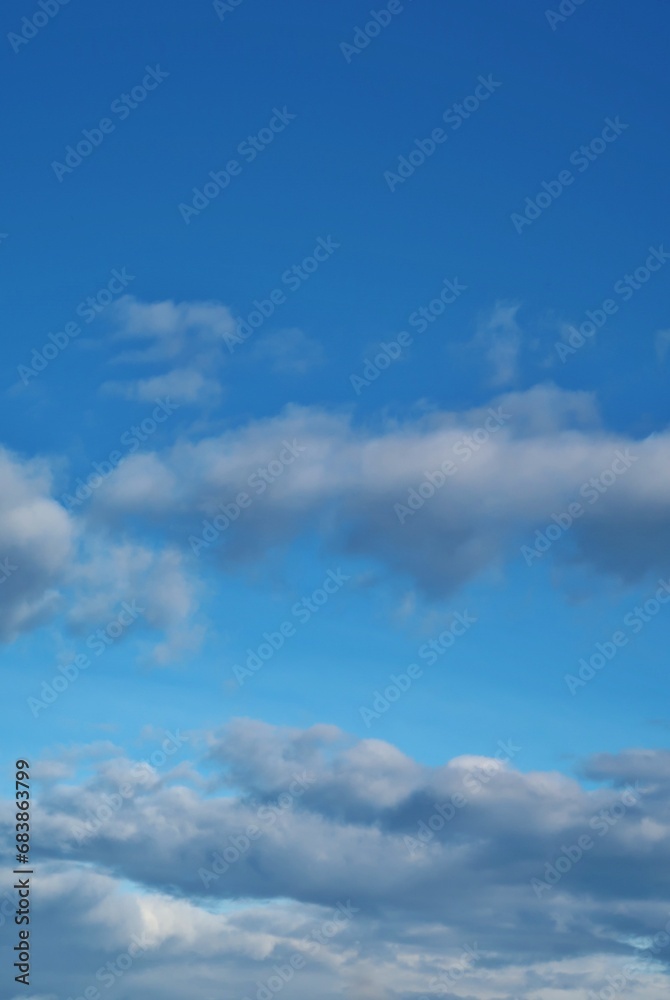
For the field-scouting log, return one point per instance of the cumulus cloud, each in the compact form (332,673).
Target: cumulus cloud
(51,563)
(454,867)
(434,501)
(380,492)
(36,541)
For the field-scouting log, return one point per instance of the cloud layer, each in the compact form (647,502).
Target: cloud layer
(438,499)
(433,500)
(466,879)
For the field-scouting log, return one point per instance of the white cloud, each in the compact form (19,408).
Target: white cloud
(289,351)
(346,482)
(36,542)
(52,563)
(345,839)
(187,336)
(498,338)
(182,385)
(157,581)
(508,482)
(168,327)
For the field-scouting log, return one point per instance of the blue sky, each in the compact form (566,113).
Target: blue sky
(510,159)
